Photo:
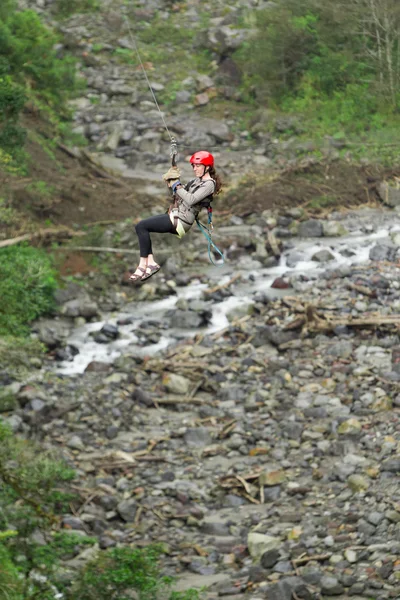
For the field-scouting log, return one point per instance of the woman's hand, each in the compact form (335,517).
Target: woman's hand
(175,185)
(171,176)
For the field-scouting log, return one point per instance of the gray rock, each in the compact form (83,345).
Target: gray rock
(80,307)
(74,523)
(322,256)
(383,251)
(75,443)
(270,558)
(127,509)
(310,228)
(197,437)
(390,194)
(331,586)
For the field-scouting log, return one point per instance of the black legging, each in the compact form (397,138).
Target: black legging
(157,224)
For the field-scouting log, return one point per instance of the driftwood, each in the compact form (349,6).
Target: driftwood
(312,321)
(180,400)
(46,235)
(302,560)
(315,322)
(97,249)
(223,286)
(362,289)
(272,241)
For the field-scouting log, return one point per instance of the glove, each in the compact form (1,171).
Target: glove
(175,185)
(172,174)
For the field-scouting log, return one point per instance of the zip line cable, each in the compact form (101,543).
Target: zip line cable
(148,82)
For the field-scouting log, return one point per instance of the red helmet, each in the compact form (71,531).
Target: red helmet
(202,158)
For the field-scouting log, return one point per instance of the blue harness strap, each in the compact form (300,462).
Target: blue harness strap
(207,232)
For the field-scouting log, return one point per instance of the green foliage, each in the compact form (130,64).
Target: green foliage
(10,583)
(29,68)
(41,188)
(18,354)
(32,484)
(28,47)
(307,58)
(297,39)
(12,99)
(62,546)
(117,570)
(8,216)
(7,400)
(31,474)
(322,202)
(27,284)
(66,8)
(188,595)
(113,573)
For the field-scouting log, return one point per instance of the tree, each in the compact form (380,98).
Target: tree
(380,29)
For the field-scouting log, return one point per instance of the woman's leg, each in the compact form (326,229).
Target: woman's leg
(157,224)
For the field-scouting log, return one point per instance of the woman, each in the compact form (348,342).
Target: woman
(188,201)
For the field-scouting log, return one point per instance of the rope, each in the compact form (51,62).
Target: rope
(207,233)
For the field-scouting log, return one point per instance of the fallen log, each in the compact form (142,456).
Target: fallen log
(314,321)
(362,289)
(97,249)
(223,286)
(41,235)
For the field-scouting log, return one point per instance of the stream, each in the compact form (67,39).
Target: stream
(348,250)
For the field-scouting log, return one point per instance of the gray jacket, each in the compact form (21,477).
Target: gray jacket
(189,199)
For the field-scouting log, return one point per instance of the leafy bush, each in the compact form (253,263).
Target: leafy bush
(27,284)
(29,68)
(33,489)
(12,99)
(29,48)
(31,474)
(10,583)
(17,355)
(113,573)
(116,571)
(307,57)
(66,8)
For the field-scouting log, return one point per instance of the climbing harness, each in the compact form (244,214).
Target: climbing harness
(205,229)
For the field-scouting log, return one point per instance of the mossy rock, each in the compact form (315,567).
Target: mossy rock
(8,401)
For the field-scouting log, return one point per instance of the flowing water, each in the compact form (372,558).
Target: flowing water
(346,251)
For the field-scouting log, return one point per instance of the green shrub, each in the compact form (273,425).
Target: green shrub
(33,489)
(27,284)
(113,573)
(12,99)
(10,582)
(306,58)
(66,8)
(28,46)
(29,68)
(17,355)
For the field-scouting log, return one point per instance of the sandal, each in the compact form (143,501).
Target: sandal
(153,270)
(136,276)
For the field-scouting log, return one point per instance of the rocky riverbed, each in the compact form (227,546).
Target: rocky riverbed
(264,453)
(246,416)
